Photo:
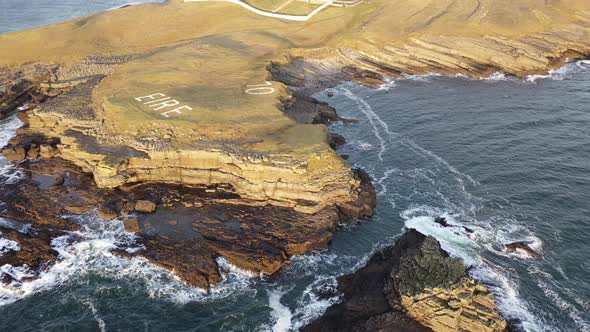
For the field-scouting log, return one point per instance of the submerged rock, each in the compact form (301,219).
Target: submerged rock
(521,246)
(413,285)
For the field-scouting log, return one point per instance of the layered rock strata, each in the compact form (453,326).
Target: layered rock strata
(411,286)
(190,229)
(207,107)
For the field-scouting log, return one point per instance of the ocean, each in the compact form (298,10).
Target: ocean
(508,158)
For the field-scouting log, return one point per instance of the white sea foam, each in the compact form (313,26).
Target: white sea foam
(583,64)
(89,250)
(310,305)
(388,85)
(360,145)
(378,125)
(381,181)
(496,77)
(421,78)
(8,127)
(7,245)
(15,272)
(18,226)
(281,314)
(125,5)
(454,240)
(101,324)
(508,299)
(467,245)
(550,288)
(558,74)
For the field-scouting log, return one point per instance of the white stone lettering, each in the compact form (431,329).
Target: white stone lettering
(154,96)
(159,101)
(164,104)
(177,110)
(260,89)
(155,101)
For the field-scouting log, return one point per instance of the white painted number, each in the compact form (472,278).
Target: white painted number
(260,89)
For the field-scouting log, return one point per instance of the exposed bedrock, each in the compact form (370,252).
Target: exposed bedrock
(190,200)
(411,286)
(207,111)
(306,179)
(190,229)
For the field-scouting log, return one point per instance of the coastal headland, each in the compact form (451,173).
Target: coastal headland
(195,122)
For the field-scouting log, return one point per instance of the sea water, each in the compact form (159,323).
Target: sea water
(508,158)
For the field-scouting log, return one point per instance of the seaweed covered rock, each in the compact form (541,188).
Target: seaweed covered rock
(413,285)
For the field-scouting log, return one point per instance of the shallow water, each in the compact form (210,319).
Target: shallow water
(510,159)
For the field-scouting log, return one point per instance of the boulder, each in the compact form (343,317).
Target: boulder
(523,246)
(33,152)
(14,154)
(131,225)
(145,206)
(106,212)
(47,151)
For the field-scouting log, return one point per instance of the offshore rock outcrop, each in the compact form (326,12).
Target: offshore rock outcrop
(208,111)
(411,286)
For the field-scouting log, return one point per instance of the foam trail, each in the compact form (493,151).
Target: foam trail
(388,172)
(508,299)
(420,150)
(280,313)
(310,306)
(547,283)
(373,118)
(377,122)
(101,324)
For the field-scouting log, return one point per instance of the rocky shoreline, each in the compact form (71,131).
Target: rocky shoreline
(208,143)
(183,228)
(413,285)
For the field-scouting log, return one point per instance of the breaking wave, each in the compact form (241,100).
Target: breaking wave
(90,250)
(8,127)
(440,189)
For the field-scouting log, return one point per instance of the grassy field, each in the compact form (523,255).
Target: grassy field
(298,8)
(207,54)
(267,5)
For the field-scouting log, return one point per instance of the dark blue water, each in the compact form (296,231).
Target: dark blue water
(26,14)
(508,158)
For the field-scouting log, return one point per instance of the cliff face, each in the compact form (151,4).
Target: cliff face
(196,106)
(411,286)
(200,95)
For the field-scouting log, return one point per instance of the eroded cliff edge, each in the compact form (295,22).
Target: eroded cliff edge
(196,108)
(413,285)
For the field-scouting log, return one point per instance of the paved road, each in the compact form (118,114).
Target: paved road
(301,18)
